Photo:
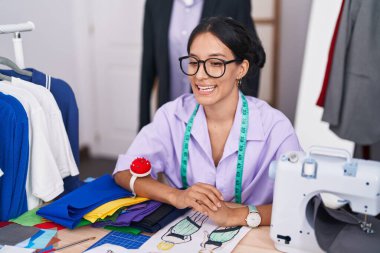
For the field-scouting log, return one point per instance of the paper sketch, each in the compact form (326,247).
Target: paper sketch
(181,232)
(218,237)
(194,232)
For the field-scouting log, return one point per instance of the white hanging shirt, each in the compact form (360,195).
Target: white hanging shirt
(44,181)
(56,132)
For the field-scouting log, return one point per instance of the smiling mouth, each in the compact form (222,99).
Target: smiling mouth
(206,89)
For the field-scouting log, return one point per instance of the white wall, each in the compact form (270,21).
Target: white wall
(293,28)
(55,47)
(51,46)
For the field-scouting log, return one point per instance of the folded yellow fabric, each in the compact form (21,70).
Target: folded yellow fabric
(111,207)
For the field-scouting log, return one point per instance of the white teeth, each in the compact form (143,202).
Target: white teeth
(206,88)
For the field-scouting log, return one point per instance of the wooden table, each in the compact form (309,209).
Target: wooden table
(257,240)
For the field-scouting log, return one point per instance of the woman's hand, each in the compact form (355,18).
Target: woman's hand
(224,216)
(228,215)
(199,197)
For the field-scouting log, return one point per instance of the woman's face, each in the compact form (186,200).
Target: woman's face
(208,90)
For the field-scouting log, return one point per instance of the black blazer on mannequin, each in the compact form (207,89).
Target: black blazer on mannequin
(155,60)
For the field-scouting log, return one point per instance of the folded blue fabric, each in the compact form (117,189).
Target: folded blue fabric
(69,209)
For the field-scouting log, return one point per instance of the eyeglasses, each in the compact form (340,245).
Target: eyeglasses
(214,67)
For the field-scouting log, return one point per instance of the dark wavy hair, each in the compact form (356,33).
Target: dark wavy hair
(242,43)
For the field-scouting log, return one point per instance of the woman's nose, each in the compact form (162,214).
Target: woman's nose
(201,74)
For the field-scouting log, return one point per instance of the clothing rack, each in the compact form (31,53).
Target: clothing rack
(17,29)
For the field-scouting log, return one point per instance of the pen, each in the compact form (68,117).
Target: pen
(74,243)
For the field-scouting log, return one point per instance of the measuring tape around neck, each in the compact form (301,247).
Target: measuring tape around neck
(241,150)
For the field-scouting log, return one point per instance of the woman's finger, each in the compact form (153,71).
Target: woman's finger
(199,207)
(211,197)
(210,193)
(202,197)
(217,193)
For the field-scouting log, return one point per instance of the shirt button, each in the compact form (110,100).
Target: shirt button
(184,32)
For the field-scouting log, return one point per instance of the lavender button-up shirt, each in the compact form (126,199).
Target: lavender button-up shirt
(269,135)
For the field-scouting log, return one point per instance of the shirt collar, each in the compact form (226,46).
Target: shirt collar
(189,3)
(38,77)
(255,130)
(255,125)
(199,130)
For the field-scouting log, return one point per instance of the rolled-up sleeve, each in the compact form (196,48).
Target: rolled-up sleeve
(287,138)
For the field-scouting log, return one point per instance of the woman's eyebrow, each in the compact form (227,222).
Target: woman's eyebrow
(213,55)
(218,54)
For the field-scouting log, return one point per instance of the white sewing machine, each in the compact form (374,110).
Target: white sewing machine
(299,177)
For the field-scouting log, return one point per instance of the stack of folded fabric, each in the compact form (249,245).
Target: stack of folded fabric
(159,218)
(103,203)
(69,210)
(132,214)
(112,207)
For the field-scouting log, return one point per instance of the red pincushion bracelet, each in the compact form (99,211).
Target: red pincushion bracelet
(140,167)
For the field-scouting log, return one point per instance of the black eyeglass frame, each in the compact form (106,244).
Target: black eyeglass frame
(204,64)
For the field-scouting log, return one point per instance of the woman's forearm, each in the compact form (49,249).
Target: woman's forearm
(147,187)
(265,212)
(152,189)
(240,213)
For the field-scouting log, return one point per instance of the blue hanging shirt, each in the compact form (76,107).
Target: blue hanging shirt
(14,157)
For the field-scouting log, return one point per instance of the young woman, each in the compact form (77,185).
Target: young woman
(215,145)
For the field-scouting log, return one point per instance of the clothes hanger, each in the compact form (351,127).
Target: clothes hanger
(13,66)
(6,78)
